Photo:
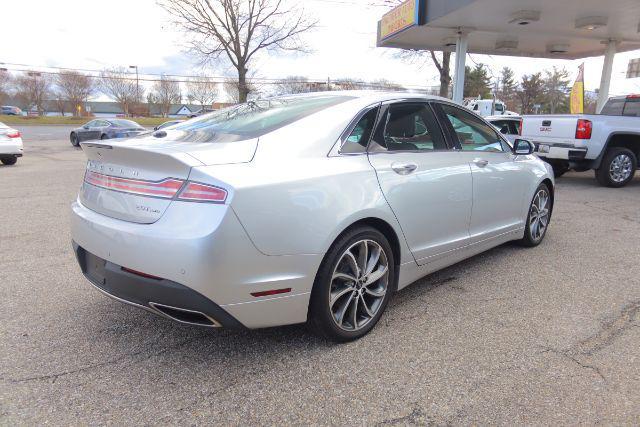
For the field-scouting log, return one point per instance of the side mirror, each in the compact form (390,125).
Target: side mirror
(523,147)
(156,128)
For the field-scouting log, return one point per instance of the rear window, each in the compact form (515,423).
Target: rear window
(255,118)
(613,107)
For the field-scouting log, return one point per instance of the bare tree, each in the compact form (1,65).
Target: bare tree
(232,89)
(348,83)
(202,90)
(384,84)
(76,88)
(166,92)
(34,88)
(119,85)
(239,29)
(5,83)
(292,84)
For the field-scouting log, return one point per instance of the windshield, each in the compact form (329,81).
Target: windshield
(125,123)
(255,118)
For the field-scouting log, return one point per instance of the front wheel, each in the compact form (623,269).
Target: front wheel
(538,218)
(353,286)
(617,168)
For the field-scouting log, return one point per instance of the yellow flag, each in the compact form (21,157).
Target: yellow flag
(577,93)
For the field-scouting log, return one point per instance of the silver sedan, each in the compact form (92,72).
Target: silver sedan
(310,208)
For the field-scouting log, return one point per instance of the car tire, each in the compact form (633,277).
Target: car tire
(74,139)
(617,168)
(9,160)
(559,170)
(537,225)
(346,302)
(103,137)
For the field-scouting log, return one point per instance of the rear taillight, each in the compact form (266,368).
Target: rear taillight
(583,129)
(165,189)
(14,133)
(196,192)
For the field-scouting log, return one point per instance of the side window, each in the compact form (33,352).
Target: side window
(411,127)
(91,124)
(473,134)
(632,108)
(358,139)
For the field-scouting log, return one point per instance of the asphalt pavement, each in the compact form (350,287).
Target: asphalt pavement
(549,335)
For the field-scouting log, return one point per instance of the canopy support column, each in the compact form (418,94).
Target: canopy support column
(605,80)
(461,57)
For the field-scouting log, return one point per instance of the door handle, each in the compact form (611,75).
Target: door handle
(403,168)
(481,162)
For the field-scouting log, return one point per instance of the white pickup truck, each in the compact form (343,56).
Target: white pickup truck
(608,143)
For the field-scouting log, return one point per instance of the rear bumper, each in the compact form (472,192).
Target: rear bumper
(11,149)
(561,152)
(156,295)
(202,250)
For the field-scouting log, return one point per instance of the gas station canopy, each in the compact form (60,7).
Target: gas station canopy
(560,29)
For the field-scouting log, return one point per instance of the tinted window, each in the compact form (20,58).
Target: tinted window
(473,134)
(358,139)
(613,107)
(411,127)
(632,108)
(121,123)
(255,118)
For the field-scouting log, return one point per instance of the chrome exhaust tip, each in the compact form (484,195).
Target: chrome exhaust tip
(183,315)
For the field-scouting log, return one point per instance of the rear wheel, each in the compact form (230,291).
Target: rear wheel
(538,218)
(353,286)
(9,160)
(74,139)
(104,137)
(617,168)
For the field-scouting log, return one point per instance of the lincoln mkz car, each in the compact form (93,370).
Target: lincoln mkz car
(310,208)
(105,129)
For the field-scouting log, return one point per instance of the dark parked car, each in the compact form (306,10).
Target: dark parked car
(105,129)
(10,110)
(167,124)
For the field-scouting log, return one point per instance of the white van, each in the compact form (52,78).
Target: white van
(483,107)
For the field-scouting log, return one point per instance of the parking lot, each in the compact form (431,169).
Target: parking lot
(549,335)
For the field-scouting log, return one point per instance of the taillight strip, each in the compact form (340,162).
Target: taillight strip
(166,188)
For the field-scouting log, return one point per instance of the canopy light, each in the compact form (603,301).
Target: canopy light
(524,17)
(558,48)
(591,23)
(506,45)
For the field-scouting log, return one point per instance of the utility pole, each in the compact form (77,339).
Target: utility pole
(137,83)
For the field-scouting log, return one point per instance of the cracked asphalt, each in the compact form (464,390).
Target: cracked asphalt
(549,335)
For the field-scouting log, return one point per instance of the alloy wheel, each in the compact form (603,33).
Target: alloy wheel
(359,284)
(539,215)
(620,168)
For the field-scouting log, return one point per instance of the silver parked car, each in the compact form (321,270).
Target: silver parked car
(314,207)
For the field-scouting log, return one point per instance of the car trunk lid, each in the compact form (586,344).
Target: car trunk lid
(136,179)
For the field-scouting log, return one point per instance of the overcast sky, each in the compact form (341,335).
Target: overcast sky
(94,34)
